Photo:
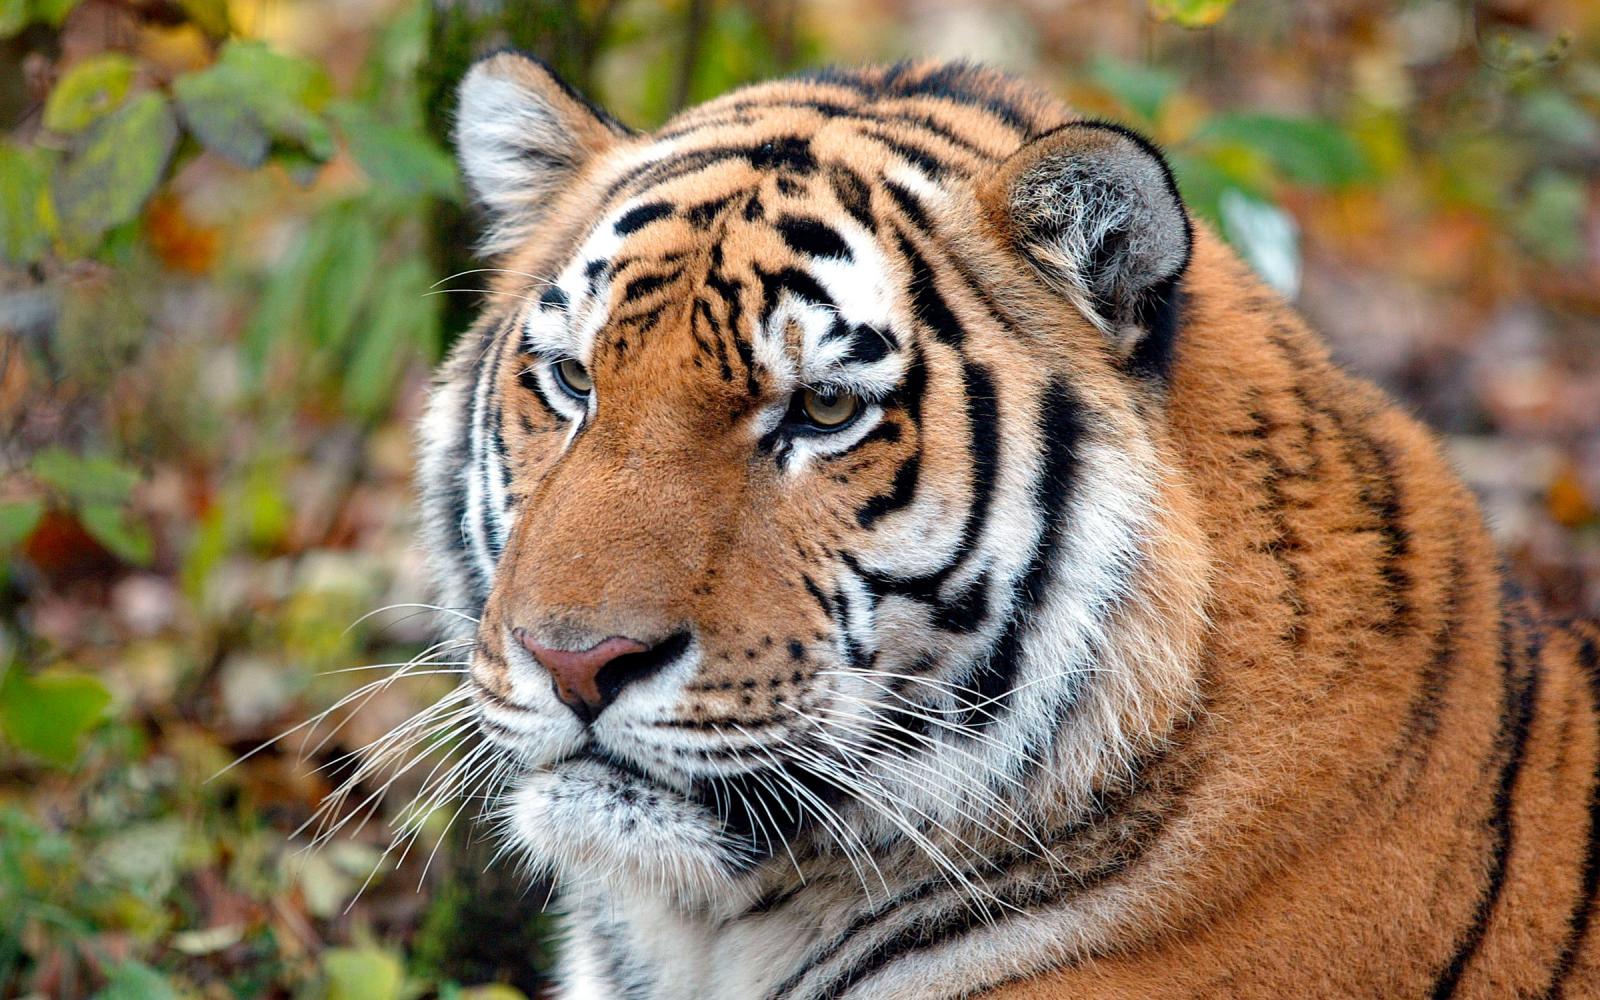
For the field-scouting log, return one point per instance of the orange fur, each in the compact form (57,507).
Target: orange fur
(1331,755)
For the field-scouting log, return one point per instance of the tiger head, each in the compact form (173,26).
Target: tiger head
(805,474)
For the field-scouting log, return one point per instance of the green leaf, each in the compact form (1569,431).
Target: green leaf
(1304,150)
(27,219)
(109,525)
(401,160)
(1557,117)
(279,309)
(340,280)
(53,12)
(253,99)
(210,15)
(115,169)
(493,991)
(1550,218)
(1191,13)
(90,89)
(85,479)
(210,543)
(362,974)
(136,981)
(18,14)
(48,715)
(1142,87)
(13,17)
(400,325)
(18,518)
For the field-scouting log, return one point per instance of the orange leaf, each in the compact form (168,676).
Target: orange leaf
(183,244)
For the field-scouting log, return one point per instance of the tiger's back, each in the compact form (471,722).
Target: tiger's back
(1111,642)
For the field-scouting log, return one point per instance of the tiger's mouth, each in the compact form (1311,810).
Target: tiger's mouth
(592,815)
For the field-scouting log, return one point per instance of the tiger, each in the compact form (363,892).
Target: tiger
(905,553)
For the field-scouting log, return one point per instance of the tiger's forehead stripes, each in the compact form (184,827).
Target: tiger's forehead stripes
(825,311)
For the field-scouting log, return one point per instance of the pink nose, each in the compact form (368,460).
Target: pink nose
(577,673)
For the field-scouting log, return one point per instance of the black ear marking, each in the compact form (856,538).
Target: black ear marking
(1094,208)
(521,132)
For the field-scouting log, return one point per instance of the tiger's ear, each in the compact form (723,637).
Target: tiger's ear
(1094,208)
(521,132)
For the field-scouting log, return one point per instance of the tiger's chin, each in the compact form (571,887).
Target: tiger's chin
(584,821)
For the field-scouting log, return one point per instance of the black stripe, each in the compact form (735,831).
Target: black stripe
(747,356)
(701,216)
(924,159)
(644,284)
(453,497)
(728,290)
(1061,428)
(930,931)
(955,82)
(858,924)
(794,281)
(811,237)
(902,489)
(702,309)
(887,431)
(929,305)
(1589,878)
(529,378)
(910,205)
(1124,806)
(868,344)
(927,123)
(1421,725)
(501,453)
(1520,679)
(1384,499)
(866,115)
(790,154)
(817,594)
(983,427)
(853,194)
(637,218)
(967,610)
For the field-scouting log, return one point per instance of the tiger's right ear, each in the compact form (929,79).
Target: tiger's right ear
(521,132)
(1094,209)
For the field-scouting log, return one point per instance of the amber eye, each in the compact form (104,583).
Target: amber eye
(573,377)
(829,411)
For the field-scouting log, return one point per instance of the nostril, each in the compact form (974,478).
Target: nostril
(588,680)
(623,670)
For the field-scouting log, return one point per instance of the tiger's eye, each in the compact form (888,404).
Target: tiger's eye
(574,378)
(830,410)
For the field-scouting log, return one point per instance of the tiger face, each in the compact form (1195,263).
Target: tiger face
(805,473)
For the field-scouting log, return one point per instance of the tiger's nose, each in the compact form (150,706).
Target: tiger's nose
(588,680)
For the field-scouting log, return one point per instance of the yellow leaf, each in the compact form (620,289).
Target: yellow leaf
(1191,13)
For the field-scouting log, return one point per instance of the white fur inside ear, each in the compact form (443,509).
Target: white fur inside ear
(515,147)
(1102,225)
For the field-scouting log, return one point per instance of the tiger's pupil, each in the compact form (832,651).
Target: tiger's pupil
(828,410)
(574,378)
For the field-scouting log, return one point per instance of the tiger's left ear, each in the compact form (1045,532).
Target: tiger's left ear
(522,133)
(1094,208)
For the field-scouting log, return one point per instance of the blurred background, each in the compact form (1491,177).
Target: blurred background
(228,230)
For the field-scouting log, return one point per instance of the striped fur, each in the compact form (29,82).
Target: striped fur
(1123,646)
